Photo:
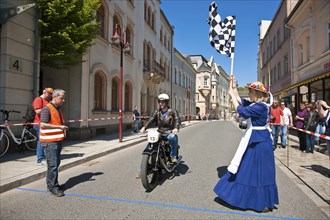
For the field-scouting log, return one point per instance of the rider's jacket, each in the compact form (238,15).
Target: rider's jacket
(168,123)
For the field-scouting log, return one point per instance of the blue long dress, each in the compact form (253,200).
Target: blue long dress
(254,184)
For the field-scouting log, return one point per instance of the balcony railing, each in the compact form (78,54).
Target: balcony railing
(153,66)
(153,71)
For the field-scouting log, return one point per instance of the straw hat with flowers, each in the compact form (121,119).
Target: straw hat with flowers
(258,86)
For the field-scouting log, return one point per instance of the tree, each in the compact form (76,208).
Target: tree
(68,28)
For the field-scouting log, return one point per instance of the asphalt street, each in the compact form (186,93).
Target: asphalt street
(104,187)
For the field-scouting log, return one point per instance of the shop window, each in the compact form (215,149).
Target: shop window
(316,91)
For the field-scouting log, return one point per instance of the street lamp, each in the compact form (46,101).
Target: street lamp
(124,48)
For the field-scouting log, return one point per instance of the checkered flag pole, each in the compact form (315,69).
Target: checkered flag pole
(222,33)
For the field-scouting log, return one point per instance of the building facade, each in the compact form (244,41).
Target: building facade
(294,53)
(183,86)
(212,84)
(309,24)
(19,54)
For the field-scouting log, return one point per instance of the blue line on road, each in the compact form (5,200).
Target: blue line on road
(168,205)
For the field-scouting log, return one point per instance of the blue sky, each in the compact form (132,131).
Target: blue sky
(189,18)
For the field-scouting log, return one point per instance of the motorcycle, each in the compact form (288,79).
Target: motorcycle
(156,159)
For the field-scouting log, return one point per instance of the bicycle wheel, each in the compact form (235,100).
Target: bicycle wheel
(30,139)
(4,143)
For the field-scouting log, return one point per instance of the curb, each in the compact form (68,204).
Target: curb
(64,166)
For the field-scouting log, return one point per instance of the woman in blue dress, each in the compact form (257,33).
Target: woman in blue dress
(250,182)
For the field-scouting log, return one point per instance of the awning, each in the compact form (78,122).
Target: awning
(314,78)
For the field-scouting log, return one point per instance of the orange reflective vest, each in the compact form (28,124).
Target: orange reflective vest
(52,134)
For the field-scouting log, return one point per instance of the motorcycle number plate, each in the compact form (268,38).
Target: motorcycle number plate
(153,136)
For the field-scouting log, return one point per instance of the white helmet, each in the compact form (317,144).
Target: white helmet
(163,97)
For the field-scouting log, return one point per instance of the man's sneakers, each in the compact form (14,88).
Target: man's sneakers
(42,163)
(56,192)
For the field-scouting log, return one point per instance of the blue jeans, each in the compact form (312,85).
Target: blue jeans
(275,133)
(173,139)
(309,143)
(137,121)
(318,130)
(40,150)
(284,132)
(53,155)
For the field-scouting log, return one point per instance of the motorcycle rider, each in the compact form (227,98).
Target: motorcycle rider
(167,119)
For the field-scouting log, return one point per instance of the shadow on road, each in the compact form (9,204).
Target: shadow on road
(68,156)
(320,169)
(80,179)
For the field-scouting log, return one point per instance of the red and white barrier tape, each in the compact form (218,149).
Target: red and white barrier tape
(312,133)
(308,132)
(81,120)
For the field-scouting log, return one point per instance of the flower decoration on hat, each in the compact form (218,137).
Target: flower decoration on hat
(258,86)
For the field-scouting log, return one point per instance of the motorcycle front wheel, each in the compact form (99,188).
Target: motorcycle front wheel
(149,174)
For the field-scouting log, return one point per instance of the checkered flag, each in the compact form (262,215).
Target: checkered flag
(221,33)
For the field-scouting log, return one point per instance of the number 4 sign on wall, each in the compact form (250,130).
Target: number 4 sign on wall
(15,64)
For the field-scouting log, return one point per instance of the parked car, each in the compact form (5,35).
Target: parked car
(242,123)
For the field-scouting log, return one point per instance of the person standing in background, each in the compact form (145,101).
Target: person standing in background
(324,111)
(302,112)
(320,125)
(276,116)
(38,103)
(285,124)
(310,124)
(136,118)
(52,134)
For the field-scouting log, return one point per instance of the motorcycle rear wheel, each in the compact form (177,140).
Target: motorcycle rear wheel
(148,174)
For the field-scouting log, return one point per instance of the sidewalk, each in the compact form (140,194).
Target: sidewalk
(309,171)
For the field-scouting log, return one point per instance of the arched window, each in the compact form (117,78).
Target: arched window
(153,21)
(149,15)
(180,79)
(145,10)
(129,37)
(175,76)
(116,21)
(115,94)
(99,91)
(161,35)
(128,96)
(100,18)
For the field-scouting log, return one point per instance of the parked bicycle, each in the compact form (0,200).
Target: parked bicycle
(27,137)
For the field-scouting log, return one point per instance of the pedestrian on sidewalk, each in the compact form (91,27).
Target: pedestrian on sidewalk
(52,134)
(310,124)
(136,119)
(38,103)
(324,112)
(300,124)
(320,126)
(276,116)
(250,181)
(285,123)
